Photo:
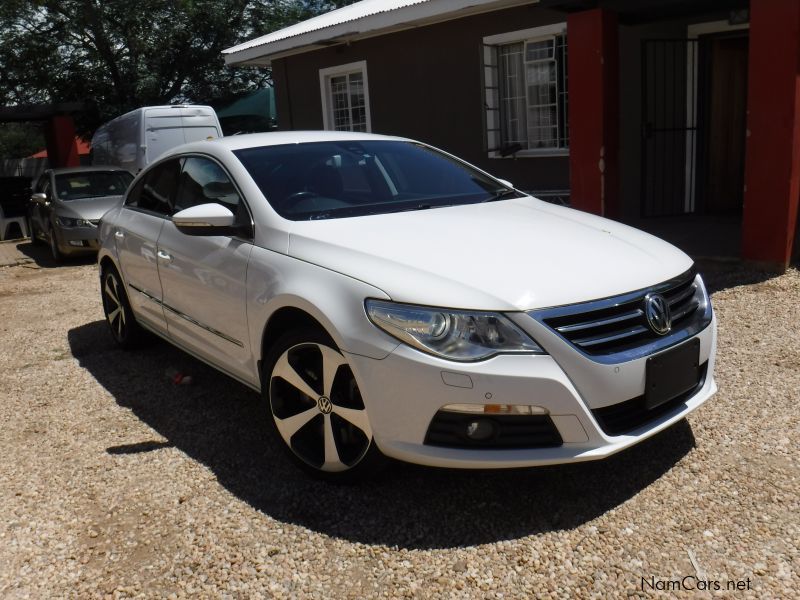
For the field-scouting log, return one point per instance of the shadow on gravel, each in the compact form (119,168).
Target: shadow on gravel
(220,423)
(721,275)
(42,257)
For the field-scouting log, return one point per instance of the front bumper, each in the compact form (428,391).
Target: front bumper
(404,391)
(77,240)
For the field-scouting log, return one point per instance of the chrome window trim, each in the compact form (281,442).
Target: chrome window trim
(671,339)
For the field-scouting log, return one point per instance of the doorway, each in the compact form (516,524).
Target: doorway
(724,114)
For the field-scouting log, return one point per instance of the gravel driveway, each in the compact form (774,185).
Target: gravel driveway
(114,481)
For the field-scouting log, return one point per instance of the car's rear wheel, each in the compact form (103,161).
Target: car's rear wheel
(119,316)
(316,408)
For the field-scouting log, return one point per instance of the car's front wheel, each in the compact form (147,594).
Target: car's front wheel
(55,251)
(316,407)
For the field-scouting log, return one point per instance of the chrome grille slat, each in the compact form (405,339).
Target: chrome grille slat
(601,322)
(691,307)
(615,329)
(689,291)
(598,340)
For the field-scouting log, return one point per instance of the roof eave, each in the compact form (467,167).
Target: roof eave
(419,15)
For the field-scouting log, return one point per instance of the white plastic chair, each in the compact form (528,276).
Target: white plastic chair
(6,222)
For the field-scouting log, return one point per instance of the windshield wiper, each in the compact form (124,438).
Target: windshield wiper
(500,194)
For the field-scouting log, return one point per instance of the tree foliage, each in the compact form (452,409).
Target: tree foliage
(121,54)
(20,139)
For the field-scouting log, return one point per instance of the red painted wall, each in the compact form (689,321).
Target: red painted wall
(772,171)
(62,150)
(594,111)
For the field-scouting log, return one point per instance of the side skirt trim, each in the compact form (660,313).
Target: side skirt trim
(186,317)
(180,346)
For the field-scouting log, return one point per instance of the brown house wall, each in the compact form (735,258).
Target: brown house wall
(424,84)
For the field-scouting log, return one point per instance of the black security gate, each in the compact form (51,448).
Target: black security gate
(670,126)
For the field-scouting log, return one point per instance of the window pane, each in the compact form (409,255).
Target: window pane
(92,184)
(202,182)
(541,50)
(513,95)
(160,184)
(358,113)
(533,93)
(348,102)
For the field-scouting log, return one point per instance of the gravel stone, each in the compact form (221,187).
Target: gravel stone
(116,483)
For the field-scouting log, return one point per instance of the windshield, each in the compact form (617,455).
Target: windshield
(329,180)
(92,184)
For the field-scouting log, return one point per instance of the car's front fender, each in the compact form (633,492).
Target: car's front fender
(336,301)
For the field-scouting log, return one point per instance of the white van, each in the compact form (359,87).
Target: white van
(137,138)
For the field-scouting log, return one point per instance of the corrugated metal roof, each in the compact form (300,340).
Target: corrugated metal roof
(368,17)
(346,14)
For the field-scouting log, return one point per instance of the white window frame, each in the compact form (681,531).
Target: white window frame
(534,34)
(325,76)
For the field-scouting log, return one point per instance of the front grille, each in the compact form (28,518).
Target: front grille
(618,325)
(510,431)
(621,418)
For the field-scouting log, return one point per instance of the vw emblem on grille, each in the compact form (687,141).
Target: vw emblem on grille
(324,405)
(656,311)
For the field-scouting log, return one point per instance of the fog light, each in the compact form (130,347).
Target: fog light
(479,430)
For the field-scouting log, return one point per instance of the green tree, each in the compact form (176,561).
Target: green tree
(120,54)
(20,139)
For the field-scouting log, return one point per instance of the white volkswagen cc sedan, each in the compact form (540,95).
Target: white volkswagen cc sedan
(389,299)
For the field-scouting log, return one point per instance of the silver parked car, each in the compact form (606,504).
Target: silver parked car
(67,204)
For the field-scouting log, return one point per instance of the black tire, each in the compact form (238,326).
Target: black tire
(34,233)
(127,333)
(55,252)
(330,437)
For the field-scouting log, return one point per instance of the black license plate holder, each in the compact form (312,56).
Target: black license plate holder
(672,373)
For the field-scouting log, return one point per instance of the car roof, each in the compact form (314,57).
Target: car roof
(276,138)
(90,169)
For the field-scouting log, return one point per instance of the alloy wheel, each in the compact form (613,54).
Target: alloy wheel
(114,307)
(317,408)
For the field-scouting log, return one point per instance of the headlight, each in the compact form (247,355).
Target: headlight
(67,221)
(451,334)
(70,222)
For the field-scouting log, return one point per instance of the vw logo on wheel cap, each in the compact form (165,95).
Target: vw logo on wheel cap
(324,405)
(656,311)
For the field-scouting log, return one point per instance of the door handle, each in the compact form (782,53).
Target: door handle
(164,256)
(118,234)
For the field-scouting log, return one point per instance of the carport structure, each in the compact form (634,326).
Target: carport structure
(62,149)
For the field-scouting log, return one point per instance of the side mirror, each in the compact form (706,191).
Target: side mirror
(506,183)
(204,219)
(40,198)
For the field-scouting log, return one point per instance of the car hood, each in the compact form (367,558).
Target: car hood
(517,254)
(88,208)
